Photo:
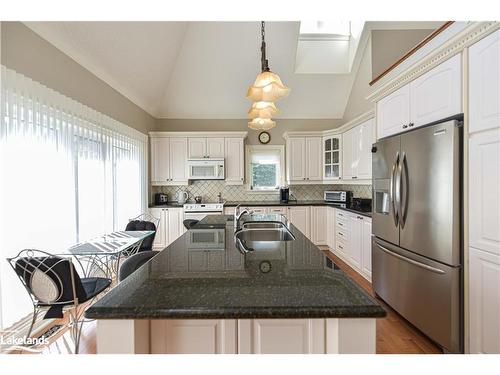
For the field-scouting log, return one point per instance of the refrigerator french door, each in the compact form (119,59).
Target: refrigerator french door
(417,230)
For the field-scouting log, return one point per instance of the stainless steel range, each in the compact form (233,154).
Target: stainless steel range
(198,211)
(417,231)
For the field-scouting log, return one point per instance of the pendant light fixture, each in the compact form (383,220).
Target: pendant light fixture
(266,89)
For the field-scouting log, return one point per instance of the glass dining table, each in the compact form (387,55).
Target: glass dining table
(101,256)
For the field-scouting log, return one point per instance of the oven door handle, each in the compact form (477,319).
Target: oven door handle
(411,261)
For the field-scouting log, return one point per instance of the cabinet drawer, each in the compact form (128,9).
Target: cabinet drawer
(342,235)
(277,210)
(341,246)
(342,225)
(340,215)
(257,210)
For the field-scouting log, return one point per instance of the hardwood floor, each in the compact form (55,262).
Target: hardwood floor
(395,335)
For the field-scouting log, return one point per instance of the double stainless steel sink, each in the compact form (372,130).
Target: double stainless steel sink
(262,234)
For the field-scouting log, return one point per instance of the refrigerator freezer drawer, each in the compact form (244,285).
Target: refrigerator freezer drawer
(424,292)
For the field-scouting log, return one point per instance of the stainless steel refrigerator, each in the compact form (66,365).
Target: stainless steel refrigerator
(417,229)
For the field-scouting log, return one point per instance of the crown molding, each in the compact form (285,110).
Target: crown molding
(341,129)
(450,48)
(208,134)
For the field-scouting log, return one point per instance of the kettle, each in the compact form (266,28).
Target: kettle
(182,197)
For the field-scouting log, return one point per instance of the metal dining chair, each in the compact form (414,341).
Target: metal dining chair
(144,222)
(134,262)
(54,286)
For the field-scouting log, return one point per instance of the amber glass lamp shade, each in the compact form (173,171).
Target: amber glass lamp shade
(261,124)
(262,110)
(267,88)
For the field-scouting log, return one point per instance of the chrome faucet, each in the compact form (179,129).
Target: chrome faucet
(238,214)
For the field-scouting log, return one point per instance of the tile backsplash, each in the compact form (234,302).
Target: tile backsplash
(209,190)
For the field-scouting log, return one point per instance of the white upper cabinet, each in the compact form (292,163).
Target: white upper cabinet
(202,147)
(437,94)
(393,112)
(235,161)
(304,159)
(357,157)
(215,147)
(313,159)
(197,148)
(178,156)
(160,160)
(484,83)
(433,96)
(332,158)
(296,160)
(484,191)
(168,161)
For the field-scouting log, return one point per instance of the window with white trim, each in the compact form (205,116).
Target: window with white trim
(265,167)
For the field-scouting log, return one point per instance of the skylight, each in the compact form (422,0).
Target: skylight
(327,47)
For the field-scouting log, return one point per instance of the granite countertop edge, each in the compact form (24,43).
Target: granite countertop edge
(239,313)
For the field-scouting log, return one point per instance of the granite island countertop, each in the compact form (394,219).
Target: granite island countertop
(202,275)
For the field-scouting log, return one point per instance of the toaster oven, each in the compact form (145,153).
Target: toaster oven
(338,196)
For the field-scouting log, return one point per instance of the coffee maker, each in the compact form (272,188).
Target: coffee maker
(284,194)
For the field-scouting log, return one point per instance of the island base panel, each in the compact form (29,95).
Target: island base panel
(244,336)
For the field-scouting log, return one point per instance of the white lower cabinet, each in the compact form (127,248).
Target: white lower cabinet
(193,336)
(170,228)
(330,227)
(281,336)
(300,216)
(352,241)
(484,302)
(319,225)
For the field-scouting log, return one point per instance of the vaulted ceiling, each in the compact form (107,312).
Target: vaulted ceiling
(198,69)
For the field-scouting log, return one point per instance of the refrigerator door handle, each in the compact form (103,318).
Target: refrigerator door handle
(411,261)
(397,190)
(403,190)
(391,190)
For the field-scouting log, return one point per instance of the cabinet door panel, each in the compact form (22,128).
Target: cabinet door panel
(235,164)
(160,163)
(178,159)
(319,225)
(366,247)
(296,159)
(484,83)
(355,241)
(193,336)
(313,159)
(393,112)
(197,147)
(300,217)
(364,170)
(215,147)
(175,226)
(348,155)
(484,302)
(159,242)
(437,94)
(484,188)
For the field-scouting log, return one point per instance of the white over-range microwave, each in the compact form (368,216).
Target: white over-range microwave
(206,169)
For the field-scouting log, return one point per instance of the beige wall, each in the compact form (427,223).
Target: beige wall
(25,52)
(382,50)
(388,46)
(241,125)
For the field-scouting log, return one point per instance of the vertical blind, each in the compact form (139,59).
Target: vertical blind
(67,173)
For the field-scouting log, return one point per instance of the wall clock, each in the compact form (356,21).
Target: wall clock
(264,137)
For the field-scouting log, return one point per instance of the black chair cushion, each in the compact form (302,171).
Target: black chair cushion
(147,243)
(190,223)
(133,263)
(94,285)
(59,271)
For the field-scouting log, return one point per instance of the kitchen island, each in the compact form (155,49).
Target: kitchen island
(204,294)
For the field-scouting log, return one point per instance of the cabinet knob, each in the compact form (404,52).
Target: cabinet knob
(242,179)
(405,126)
(411,124)
(354,177)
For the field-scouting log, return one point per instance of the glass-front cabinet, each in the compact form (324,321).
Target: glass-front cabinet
(332,158)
